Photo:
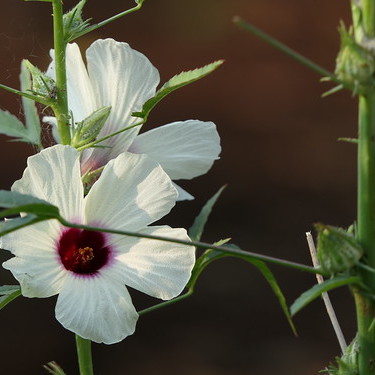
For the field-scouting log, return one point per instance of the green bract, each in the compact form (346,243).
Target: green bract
(338,250)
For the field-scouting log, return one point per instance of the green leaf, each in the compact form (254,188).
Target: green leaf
(175,83)
(196,230)
(74,23)
(14,224)
(33,128)
(211,255)
(269,276)
(12,127)
(305,298)
(8,293)
(16,203)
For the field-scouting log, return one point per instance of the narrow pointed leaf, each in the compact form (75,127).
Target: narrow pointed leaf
(18,223)
(16,203)
(33,128)
(196,230)
(305,298)
(175,83)
(8,293)
(210,255)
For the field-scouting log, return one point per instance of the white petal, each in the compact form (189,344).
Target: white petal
(183,195)
(123,79)
(132,192)
(54,175)
(158,268)
(36,265)
(52,121)
(185,149)
(96,308)
(81,97)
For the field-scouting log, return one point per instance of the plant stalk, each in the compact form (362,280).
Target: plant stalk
(61,106)
(84,356)
(366,230)
(364,24)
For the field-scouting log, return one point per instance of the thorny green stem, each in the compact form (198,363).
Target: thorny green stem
(61,106)
(84,356)
(198,244)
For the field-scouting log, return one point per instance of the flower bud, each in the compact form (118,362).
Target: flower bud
(88,129)
(338,250)
(354,63)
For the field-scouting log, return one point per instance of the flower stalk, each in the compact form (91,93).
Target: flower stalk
(61,106)
(84,356)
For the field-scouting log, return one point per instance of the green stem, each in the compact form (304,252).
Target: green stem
(167,303)
(26,95)
(84,356)
(366,230)
(61,107)
(368,15)
(198,244)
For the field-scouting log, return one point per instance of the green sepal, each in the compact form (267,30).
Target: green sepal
(8,293)
(338,250)
(348,363)
(41,85)
(310,295)
(196,230)
(88,129)
(175,83)
(74,23)
(53,368)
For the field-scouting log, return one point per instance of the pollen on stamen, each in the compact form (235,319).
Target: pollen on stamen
(83,252)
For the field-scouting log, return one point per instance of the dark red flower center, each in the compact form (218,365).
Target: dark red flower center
(83,251)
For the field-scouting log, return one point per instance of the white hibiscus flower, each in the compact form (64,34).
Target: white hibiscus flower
(89,270)
(125,79)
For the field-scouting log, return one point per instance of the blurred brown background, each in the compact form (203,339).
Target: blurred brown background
(281,160)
